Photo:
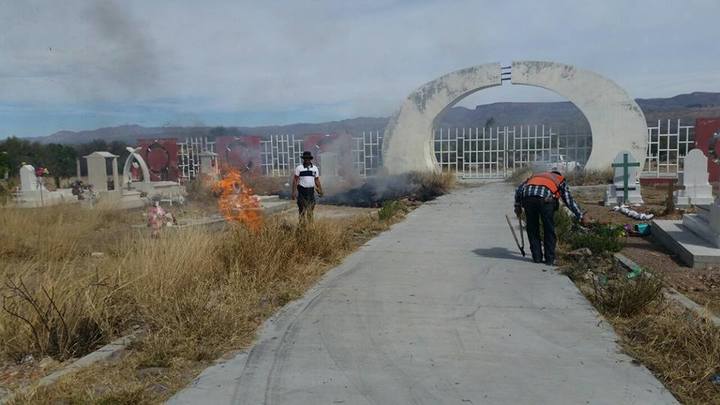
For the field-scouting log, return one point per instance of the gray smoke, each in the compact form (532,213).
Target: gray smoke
(131,65)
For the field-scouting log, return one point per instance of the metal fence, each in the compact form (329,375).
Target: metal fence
(279,154)
(492,152)
(367,152)
(495,152)
(668,144)
(189,155)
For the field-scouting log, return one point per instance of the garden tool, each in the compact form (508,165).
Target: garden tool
(520,245)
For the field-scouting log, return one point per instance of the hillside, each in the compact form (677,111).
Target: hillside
(561,115)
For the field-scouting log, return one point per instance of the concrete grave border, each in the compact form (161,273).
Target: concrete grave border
(616,121)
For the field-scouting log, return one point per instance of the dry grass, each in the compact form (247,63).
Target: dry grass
(431,185)
(624,297)
(590,177)
(575,178)
(196,293)
(62,232)
(680,348)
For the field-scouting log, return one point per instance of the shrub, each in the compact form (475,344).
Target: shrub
(389,209)
(627,297)
(599,238)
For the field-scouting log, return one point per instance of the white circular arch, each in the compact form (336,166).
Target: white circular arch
(616,121)
(134,154)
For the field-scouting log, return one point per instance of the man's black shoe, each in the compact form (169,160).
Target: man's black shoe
(550,262)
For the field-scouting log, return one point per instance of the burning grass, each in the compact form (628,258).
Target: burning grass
(237,201)
(195,293)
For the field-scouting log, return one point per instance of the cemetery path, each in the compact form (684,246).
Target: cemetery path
(440,309)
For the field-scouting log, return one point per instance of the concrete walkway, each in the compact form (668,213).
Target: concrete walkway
(438,310)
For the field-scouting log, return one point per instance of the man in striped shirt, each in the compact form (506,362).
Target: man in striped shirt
(306,180)
(539,196)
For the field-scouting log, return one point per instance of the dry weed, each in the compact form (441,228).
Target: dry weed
(196,293)
(590,177)
(682,349)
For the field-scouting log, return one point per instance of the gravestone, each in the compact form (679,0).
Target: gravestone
(208,165)
(28,180)
(697,189)
(625,188)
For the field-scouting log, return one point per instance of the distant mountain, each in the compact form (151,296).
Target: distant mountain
(563,116)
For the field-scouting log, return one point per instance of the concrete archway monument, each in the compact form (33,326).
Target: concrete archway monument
(616,121)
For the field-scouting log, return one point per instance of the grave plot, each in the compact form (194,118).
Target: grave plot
(701,285)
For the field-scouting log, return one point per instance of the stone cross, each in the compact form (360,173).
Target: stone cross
(625,164)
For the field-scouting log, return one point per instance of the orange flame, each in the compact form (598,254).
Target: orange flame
(236,201)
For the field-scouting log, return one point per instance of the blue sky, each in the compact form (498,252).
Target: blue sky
(81,64)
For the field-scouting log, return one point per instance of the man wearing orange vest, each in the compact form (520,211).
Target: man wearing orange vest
(539,196)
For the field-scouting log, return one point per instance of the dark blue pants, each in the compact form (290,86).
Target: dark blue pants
(536,210)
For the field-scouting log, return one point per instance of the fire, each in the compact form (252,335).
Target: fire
(236,200)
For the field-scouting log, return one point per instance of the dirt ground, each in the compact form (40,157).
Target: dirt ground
(591,199)
(702,286)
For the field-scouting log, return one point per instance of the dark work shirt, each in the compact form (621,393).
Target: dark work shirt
(526,190)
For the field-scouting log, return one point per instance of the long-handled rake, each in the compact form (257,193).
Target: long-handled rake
(520,245)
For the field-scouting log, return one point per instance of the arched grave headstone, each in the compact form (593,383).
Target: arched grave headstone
(696,187)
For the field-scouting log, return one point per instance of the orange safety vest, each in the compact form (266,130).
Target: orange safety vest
(551,181)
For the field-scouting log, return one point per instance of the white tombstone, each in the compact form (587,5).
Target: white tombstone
(208,165)
(625,188)
(97,171)
(28,180)
(697,189)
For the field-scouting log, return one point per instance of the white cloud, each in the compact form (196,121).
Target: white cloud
(352,58)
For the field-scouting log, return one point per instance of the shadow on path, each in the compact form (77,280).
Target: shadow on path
(499,253)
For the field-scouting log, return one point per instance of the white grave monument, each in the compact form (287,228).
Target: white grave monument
(97,171)
(34,194)
(626,187)
(29,183)
(697,189)
(208,165)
